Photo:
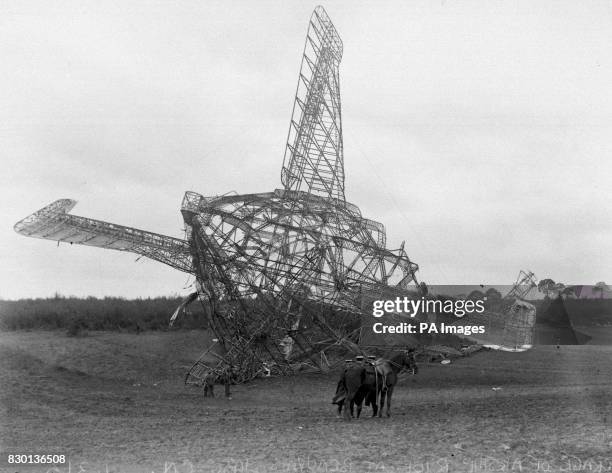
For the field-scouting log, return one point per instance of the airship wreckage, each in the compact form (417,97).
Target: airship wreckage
(287,275)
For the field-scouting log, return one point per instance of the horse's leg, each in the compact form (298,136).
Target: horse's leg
(360,396)
(389,393)
(383,392)
(340,403)
(348,401)
(370,399)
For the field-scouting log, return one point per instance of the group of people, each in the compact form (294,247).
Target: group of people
(224,376)
(370,380)
(364,379)
(366,366)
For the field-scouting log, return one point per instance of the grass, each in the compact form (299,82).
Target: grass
(117,402)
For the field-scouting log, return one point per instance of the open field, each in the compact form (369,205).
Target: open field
(116,402)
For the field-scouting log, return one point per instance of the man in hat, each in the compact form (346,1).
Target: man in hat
(340,395)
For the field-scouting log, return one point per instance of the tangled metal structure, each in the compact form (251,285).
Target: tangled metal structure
(285,275)
(510,322)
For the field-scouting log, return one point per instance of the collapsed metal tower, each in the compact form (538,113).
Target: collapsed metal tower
(285,275)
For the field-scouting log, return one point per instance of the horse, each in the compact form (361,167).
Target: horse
(387,372)
(371,381)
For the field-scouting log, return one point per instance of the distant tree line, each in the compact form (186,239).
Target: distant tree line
(110,313)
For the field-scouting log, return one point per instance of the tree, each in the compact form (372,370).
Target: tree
(601,287)
(558,288)
(571,292)
(424,288)
(493,294)
(546,286)
(475,295)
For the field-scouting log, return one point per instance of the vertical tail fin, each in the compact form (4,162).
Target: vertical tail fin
(314,159)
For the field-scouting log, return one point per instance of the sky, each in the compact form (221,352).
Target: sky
(478,132)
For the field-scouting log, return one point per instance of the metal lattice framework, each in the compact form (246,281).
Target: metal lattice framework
(509,326)
(524,283)
(53,222)
(284,274)
(519,315)
(314,160)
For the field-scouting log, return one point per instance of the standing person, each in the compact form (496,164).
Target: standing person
(226,379)
(341,388)
(209,385)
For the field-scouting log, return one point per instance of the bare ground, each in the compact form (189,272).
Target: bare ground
(116,402)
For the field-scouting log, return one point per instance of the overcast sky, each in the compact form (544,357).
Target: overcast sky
(479,132)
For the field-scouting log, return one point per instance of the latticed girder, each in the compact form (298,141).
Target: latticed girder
(53,222)
(265,238)
(269,263)
(525,282)
(314,160)
(286,274)
(283,272)
(508,327)
(510,324)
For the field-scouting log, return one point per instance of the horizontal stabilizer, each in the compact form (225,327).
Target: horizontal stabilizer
(53,222)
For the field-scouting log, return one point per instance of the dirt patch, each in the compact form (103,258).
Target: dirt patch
(117,402)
